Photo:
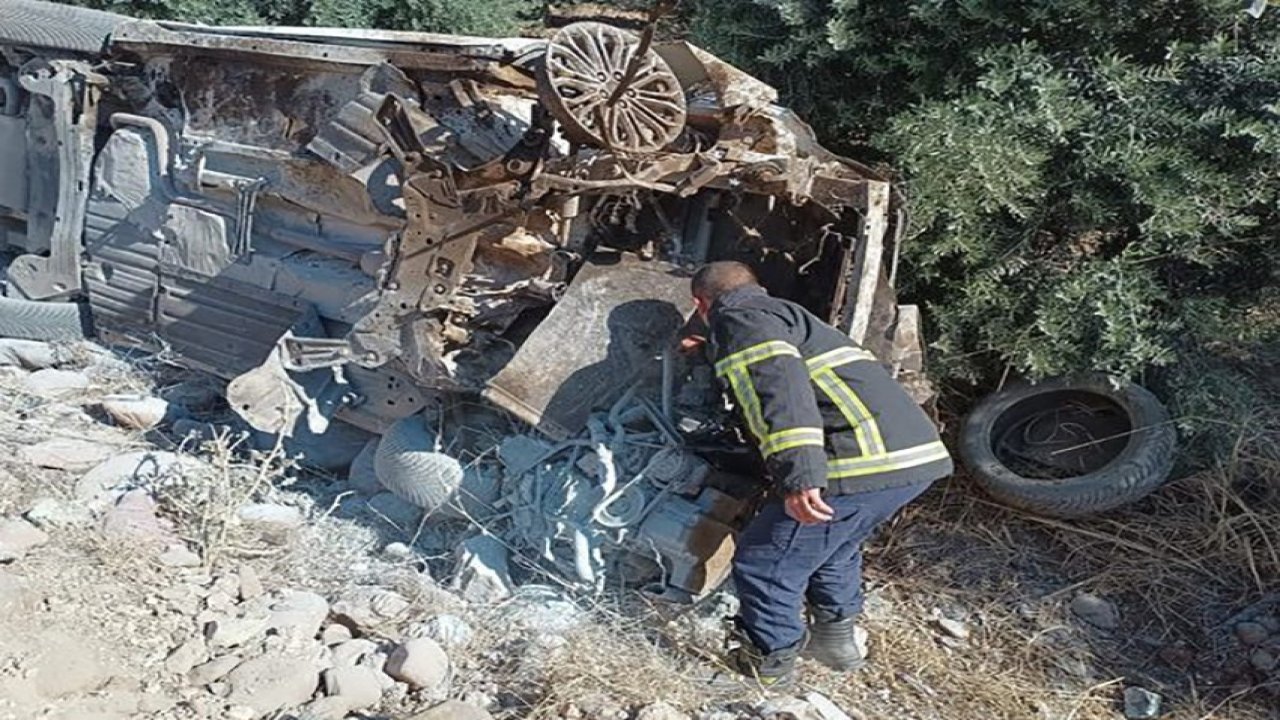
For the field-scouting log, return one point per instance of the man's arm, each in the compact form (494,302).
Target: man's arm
(770,383)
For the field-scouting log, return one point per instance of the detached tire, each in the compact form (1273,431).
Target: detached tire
(55,26)
(407,465)
(1069,447)
(49,321)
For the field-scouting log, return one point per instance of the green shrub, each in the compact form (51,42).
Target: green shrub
(1093,185)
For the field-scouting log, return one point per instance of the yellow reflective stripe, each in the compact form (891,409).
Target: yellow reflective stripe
(869,420)
(855,412)
(896,460)
(755,354)
(791,438)
(745,392)
(835,358)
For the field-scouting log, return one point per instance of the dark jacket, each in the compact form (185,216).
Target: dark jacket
(824,412)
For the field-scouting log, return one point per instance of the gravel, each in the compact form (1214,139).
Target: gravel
(18,537)
(1096,611)
(421,663)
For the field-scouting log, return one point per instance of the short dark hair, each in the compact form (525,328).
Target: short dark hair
(717,278)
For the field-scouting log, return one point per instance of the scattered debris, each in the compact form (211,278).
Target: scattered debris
(52,384)
(71,454)
(139,412)
(660,711)
(272,682)
(107,481)
(1096,611)
(1140,703)
(1252,633)
(15,595)
(1264,661)
(953,628)
(477,494)
(482,574)
(51,514)
(273,522)
(356,683)
(369,609)
(187,656)
(29,354)
(134,518)
(250,586)
(18,537)
(421,662)
(179,556)
(451,631)
(213,671)
(453,710)
(522,453)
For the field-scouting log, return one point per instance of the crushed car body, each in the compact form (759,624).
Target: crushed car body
(355,226)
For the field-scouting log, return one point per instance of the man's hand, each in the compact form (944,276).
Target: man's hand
(808,508)
(691,344)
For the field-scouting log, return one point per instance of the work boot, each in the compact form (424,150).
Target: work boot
(834,641)
(746,663)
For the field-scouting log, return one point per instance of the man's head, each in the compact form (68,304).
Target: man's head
(715,279)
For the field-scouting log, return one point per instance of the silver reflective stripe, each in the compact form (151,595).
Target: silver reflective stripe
(791,438)
(755,354)
(855,411)
(896,460)
(740,380)
(836,358)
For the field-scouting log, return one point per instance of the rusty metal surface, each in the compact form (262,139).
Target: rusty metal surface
(604,335)
(449,195)
(143,36)
(357,223)
(695,537)
(607,88)
(65,94)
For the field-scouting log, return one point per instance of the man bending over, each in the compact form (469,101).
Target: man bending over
(845,447)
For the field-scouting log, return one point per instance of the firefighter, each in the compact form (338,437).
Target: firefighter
(845,448)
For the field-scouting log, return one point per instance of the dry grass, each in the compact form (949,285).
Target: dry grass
(1181,565)
(203,498)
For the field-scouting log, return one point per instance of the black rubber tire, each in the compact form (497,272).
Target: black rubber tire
(408,466)
(31,320)
(60,27)
(1142,466)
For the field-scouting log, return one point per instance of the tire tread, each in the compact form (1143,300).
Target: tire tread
(51,25)
(1105,489)
(407,466)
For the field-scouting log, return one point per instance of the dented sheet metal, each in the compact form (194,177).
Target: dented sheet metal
(354,224)
(607,333)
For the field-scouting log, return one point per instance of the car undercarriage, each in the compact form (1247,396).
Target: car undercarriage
(357,226)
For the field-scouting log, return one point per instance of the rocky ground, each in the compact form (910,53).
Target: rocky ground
(156,564)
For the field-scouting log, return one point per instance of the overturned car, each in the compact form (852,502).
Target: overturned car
(359,227)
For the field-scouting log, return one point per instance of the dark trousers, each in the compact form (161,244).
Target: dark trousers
(780,564)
